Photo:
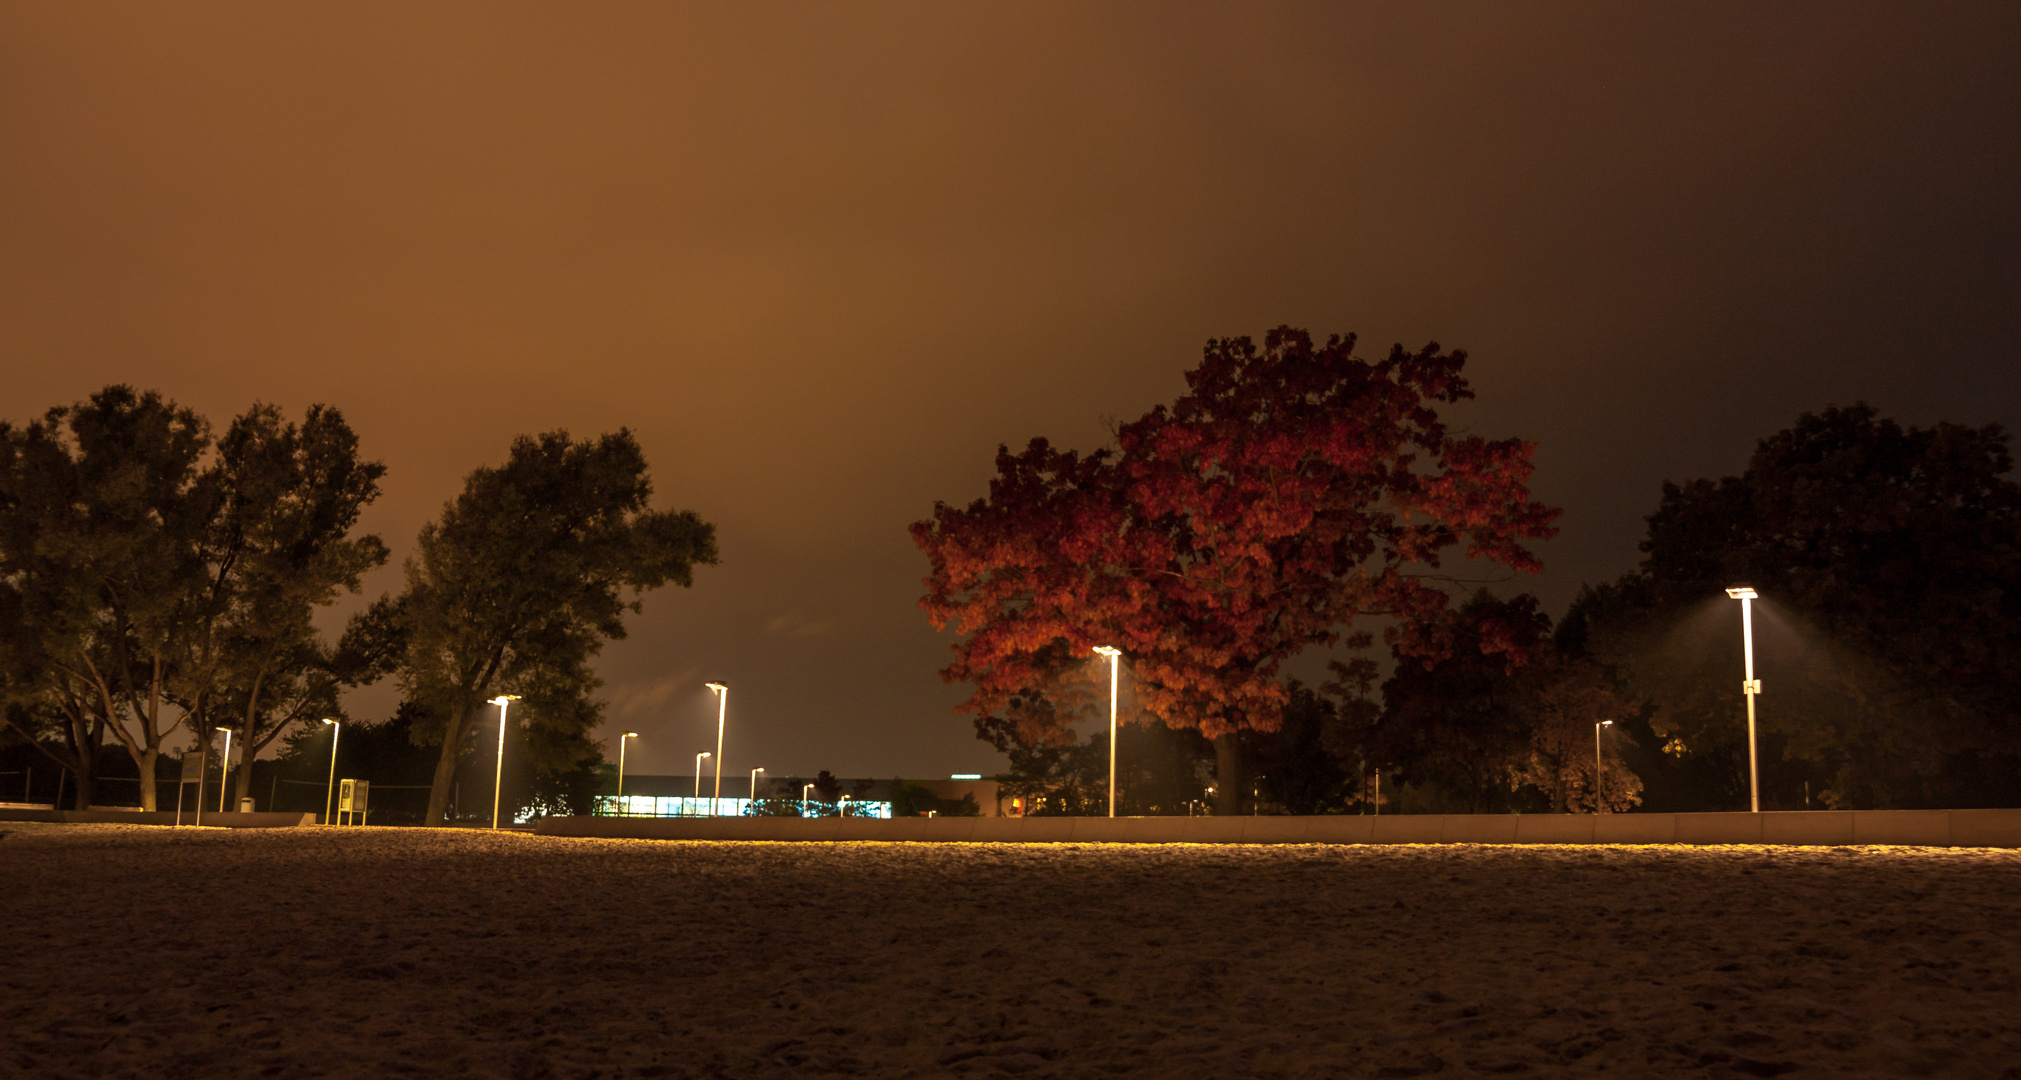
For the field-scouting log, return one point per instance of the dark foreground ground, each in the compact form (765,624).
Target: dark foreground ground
(133,951)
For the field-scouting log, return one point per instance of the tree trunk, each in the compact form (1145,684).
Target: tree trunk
(1227,774)
(145,761)
(445,767)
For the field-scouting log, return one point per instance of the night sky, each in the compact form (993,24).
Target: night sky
(823,258)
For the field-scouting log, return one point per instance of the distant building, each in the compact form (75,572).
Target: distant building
(656,795)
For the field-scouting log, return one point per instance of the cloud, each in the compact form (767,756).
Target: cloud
(634,699)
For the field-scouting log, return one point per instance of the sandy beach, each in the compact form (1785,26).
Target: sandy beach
(149,952)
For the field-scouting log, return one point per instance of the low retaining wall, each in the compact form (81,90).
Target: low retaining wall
(1921,828)
(226,820)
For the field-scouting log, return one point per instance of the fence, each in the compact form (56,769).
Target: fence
(1918,828)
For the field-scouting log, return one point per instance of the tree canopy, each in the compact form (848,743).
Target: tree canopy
(1888,632)
(517,586)
(1294,490)
(155,579)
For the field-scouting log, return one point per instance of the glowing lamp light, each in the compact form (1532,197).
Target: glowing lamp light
(1115,656)
(330,791)
(722,692)
(1749,687)
(966,776)
(498,775)
(621,767)
(1596,762)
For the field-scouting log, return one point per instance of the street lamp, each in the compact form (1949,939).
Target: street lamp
(621,767)
(698,773)
(1596,762)
(1115,657)
(722,709)
(224,769)
(330,792)
(1256,797)
(804,789)
(754,788)
(1749,688)
(498,775)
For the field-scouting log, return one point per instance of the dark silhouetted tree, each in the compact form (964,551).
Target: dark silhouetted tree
(526,575)
(277,546)
(1888,635)
(100,513)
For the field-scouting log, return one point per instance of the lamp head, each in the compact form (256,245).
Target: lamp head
(629,735)
(760,768)
(327,720)
(1606,723)
(1108,650)
(705,753)
(717,688)
(503,698)
(1743,592)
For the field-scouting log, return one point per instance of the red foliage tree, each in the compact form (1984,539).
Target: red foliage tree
(1295,489)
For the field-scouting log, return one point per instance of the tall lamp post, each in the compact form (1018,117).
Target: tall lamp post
(1597,804)
(754,786)
(621,767)
(722,693)
(1115,657)
(698,773)
(224,769)
(1749,689)
(804,789)
(330,792)
(503,701)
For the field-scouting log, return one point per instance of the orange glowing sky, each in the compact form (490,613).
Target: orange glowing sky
(823,258)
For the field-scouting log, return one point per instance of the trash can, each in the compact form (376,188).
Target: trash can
(246,805)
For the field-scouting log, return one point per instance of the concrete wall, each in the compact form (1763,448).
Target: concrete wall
(227,820)
(1928,828)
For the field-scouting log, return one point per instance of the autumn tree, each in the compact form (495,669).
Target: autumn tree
(518,585)
(1293,491)
(1888,636)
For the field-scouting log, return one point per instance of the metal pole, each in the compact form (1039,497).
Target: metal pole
(754,788)
(804,789)
(722,711)
(203,764)
(622,739)
(1749,689)
(1115,658)
(225,771)
(698,775)
(330,788)
(498,775)
(1596,768)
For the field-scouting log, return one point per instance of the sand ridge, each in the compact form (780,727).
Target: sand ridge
(136,951)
